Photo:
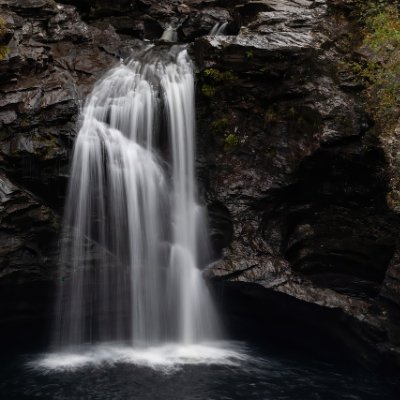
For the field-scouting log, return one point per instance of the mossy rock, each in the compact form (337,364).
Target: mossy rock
(231,142)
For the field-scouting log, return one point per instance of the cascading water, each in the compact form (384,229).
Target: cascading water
(135,235)
(218,29)
(170,34)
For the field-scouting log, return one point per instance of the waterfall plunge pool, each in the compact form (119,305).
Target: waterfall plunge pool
(208,371)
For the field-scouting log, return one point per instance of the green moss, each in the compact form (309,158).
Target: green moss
(215,75)
(220,125)
(212,80)
(2,26)
(3,49)
(3,52)
(231,141)
(56,225)
(249,53)
(208,90)
(393,200)
(381,72)
(223,129)
(212,73)
(384,29)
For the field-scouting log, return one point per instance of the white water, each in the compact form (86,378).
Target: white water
(166,358)
(135,234)
(218,29)
(169,35)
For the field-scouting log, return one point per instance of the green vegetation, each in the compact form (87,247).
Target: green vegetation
(249,53)
(218,76)
(3,49)
(277,112)
(220,126)
(381,72)
(3,52)
(208,90)
(231,141)
(215,84)
(2,26)
(212,79)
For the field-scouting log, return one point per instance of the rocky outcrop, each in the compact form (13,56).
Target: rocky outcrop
(52,60)
(296,188)
(289,154)
(27,231)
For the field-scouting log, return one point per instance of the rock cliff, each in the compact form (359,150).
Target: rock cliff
(296,185)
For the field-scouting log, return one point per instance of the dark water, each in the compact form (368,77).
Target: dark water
(255,374)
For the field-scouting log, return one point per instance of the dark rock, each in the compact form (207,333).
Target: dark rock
(221,229)
(67,25)
(201,23)
(301,327)
(28,231)
(53,60)
(32,8)
(305,189)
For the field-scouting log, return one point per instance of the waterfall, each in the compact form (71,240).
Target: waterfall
(135,235)
(218,29)
(169,35)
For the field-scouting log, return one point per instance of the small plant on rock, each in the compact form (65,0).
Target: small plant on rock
(3,49)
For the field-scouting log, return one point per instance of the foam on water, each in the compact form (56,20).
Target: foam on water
(165,358)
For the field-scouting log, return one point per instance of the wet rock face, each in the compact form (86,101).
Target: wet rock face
(52,60)
(147,19)
(28,249)
(335,226)
(288,153)
(295,188)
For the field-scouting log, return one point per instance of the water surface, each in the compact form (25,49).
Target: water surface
(223,371)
